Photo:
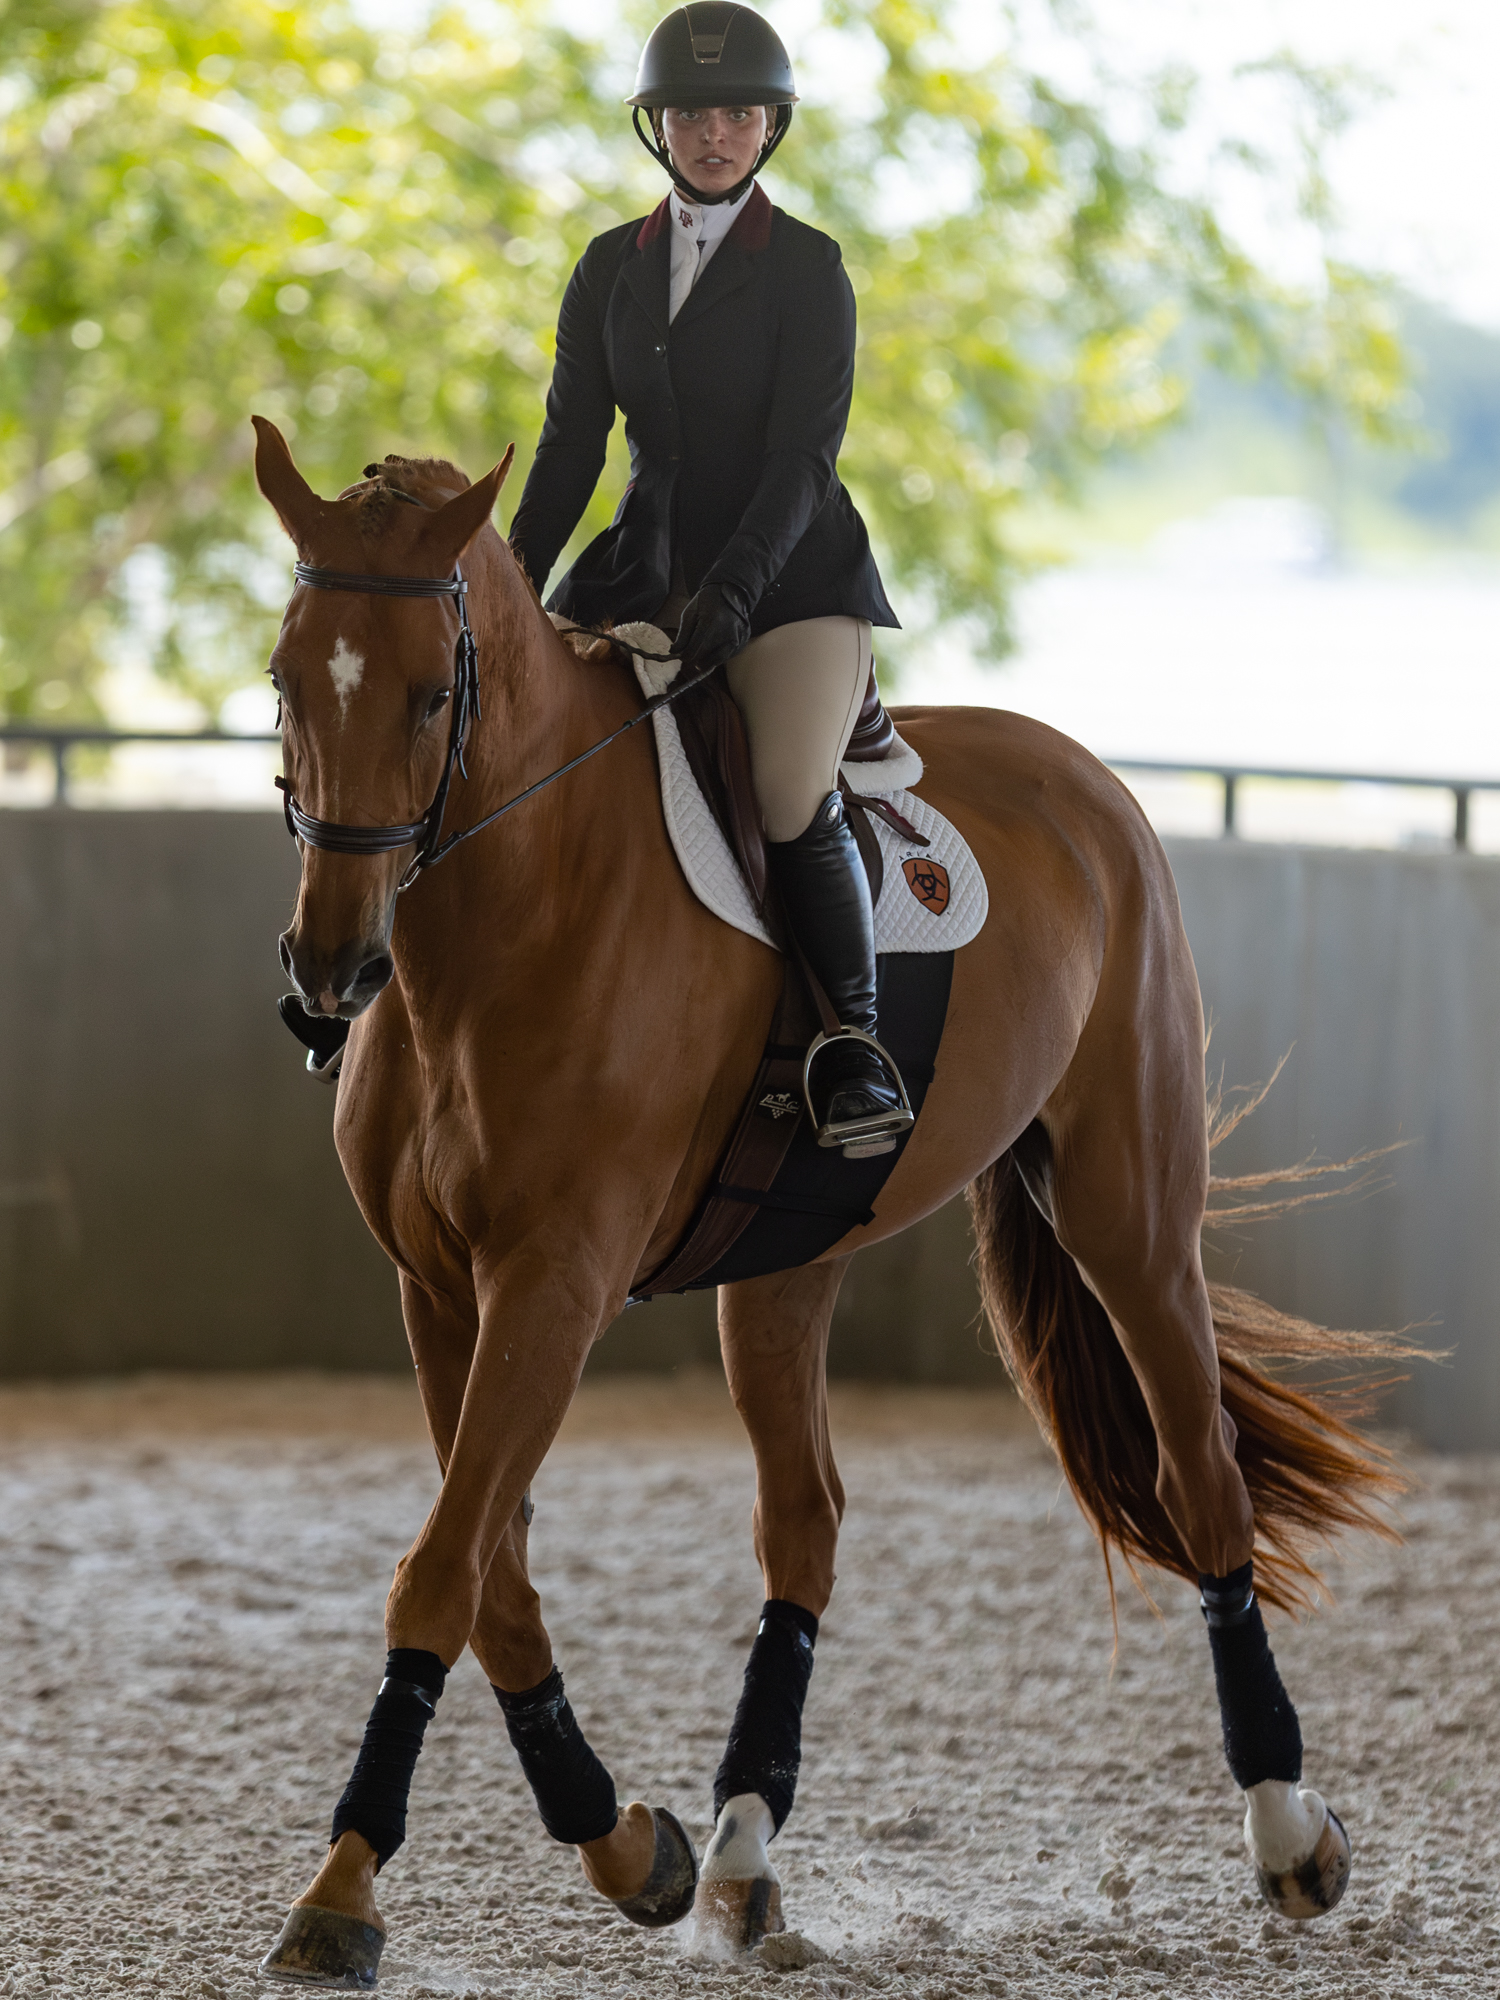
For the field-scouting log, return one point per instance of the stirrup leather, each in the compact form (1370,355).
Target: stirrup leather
(861,1138)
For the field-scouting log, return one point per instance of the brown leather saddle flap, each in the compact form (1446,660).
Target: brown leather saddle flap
(718,753)
(767,1125)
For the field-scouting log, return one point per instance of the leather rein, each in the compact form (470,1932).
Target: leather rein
(338,836)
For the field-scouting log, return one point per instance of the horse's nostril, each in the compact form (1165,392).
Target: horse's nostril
(344,981)
(374,976)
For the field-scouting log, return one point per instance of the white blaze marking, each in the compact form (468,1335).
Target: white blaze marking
(347,669)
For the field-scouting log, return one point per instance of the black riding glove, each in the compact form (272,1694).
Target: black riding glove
(714,628)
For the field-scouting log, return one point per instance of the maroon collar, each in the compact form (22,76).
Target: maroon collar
(751,231)
(655,223)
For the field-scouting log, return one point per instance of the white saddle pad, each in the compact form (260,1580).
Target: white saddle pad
(933,898)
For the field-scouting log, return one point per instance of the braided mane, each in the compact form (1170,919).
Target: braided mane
(430,480)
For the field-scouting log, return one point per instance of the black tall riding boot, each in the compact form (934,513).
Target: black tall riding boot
(857,1093)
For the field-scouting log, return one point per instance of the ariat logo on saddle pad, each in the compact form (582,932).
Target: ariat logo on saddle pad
(928,882)
(779,1104)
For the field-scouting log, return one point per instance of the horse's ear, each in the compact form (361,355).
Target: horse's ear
(450,530)
(297,506)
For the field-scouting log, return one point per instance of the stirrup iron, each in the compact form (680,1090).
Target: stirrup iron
(861,1138)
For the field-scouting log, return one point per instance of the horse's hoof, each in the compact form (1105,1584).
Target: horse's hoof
(739,1914)
(322,1948)
(673,1881)
(1310,1888)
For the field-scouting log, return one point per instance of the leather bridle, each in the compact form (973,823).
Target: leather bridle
(338,836)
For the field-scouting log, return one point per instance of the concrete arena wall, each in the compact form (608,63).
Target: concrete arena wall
(1380,973)
(169,1195)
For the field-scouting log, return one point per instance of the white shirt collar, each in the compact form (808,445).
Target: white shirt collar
(698,228)
(706,222)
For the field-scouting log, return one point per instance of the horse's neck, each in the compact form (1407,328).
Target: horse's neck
(536,695)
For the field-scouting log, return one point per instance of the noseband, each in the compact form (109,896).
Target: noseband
(336,835)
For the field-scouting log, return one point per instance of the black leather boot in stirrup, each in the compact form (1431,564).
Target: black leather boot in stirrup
(855,1091)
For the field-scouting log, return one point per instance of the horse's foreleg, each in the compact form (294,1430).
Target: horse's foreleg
(483,1398)
(334,1933)
(774,1335)
(640,1857)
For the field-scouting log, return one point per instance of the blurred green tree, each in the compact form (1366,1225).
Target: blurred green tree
(215,208)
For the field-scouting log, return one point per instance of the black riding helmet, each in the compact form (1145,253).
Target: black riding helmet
(709,53)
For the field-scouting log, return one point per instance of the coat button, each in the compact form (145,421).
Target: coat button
(661,350)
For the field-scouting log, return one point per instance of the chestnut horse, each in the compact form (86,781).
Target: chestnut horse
(552,1042)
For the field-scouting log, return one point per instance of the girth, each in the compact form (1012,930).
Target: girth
(778,1199)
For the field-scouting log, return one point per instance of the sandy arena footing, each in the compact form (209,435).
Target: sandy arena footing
(992,1802)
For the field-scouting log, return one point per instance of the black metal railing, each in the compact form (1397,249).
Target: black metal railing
(57,741)
(1230,775)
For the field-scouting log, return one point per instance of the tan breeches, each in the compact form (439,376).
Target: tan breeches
(799,689)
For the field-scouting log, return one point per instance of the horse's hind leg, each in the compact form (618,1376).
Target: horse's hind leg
(1126,1184)
(774,1336)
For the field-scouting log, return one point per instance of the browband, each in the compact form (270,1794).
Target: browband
(380,586)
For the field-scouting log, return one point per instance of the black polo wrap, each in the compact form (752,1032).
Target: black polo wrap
(764,1751)
(1262,1737)
(374,1800)
(574,1793)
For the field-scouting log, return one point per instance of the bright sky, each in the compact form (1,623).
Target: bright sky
(1416,174)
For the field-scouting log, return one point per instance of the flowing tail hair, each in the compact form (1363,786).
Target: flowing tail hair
(1309,1471)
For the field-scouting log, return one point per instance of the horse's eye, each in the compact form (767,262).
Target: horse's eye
(439,701)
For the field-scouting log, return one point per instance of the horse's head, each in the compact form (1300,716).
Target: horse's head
(367,686)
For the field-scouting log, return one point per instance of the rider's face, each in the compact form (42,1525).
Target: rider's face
(714,149)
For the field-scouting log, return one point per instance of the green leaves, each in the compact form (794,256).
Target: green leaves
(209,211)
(1011,340)
(240,209)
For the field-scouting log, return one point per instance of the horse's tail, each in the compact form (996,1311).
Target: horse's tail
(1308,1470)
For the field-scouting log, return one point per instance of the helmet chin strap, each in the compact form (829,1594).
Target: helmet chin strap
(656,147)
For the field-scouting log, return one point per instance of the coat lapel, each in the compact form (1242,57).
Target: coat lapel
(734,262)
(649,272)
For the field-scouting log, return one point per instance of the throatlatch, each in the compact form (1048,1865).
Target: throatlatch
(764,1752)
(1262,1737)
(374,1800)
(574,1793)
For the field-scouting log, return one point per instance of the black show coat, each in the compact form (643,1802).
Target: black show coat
(734,415)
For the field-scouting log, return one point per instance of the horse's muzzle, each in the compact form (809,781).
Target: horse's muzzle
(341,983)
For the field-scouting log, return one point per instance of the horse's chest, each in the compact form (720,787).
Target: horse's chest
(408,1164)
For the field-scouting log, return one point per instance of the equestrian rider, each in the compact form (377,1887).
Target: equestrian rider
(724,329)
